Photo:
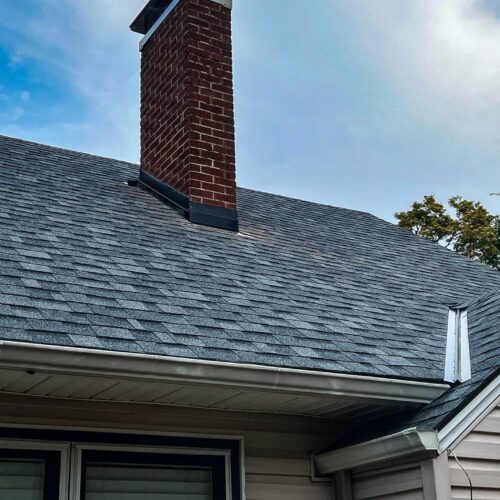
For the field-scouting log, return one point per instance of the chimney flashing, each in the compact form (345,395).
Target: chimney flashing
(213,216)
(197,213)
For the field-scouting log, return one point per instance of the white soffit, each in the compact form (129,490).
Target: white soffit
(226,3)
(458,363)
(100,375)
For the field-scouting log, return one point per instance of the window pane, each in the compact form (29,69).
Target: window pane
(141,482)
(21,479)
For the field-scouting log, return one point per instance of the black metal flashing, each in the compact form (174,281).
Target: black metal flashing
(149,15)
(209,215)
(197,213)
(164,191)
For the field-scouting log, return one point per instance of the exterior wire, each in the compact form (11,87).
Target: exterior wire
(464,471)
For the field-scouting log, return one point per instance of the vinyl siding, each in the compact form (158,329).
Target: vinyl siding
(479,454)
(277,448)
(392,483)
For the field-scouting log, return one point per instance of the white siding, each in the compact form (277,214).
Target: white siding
(282,478)
(392,483)
(277,448)
(479,454)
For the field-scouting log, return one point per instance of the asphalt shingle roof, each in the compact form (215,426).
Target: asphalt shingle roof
(88,261)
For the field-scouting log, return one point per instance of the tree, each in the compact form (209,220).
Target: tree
(470,230)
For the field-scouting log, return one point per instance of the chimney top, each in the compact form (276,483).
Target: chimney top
(149,15)
(154,10)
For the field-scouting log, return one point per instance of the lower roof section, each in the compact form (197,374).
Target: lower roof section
(122,377)
(413,440)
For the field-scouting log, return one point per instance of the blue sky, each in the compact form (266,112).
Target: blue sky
(356,103)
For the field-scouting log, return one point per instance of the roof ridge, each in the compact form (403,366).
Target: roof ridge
(311,202)
(480,298)
(137,165)
(67,150)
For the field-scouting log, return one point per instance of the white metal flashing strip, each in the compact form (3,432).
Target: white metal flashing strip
(465,420)
(458,364)
(142,367)
(225,3)
(383,449)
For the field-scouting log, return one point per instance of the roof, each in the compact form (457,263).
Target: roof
(88,261)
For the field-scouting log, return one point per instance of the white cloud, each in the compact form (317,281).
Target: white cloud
(440,56)
(87,44)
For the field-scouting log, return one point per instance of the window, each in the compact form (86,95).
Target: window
(29,475)
(145,476)
(57,464)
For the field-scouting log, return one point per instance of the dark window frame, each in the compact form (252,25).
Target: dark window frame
(52,471)
(216,464)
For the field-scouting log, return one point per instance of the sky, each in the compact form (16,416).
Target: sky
(364,104)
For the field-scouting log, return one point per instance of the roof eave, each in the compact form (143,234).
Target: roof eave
(142,367)
(412,441)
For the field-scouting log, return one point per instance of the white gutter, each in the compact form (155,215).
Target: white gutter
(225,3)
(149,368)
(383,449)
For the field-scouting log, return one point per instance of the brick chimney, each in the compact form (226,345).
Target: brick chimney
(187,111)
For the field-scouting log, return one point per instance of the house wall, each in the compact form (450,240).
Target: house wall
(479,454)
(401,482)
(441,478)
(277,448)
